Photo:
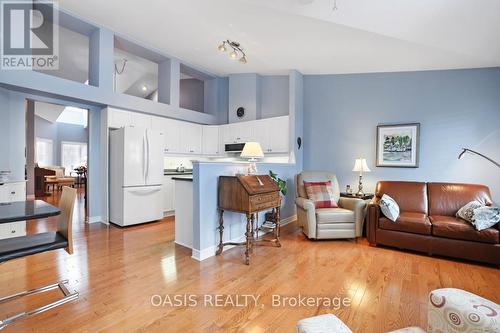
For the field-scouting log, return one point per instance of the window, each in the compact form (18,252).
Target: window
(44,152)
(73,155)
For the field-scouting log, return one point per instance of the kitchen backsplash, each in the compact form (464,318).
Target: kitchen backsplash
(172,162)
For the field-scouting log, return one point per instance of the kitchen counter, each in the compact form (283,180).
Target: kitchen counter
(187,178)
(175,173)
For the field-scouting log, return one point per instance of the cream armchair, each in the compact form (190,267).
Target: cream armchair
(324,223)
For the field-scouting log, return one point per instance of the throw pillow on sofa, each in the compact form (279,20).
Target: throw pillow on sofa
(481,217)
(467,211)
(486,217)
(389,207)
(321,193)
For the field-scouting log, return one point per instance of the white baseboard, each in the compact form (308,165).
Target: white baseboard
(201,255)
(169,213)
(94,219)
(288,220)
(182,244)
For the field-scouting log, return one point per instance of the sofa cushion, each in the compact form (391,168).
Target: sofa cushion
(410,196)
(455,228)
(416,223)
(334,215)
(447,198)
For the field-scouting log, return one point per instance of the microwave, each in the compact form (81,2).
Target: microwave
(234,147)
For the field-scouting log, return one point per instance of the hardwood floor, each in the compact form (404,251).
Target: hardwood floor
(117,271)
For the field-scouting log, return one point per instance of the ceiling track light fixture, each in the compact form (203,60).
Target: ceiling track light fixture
(237,50)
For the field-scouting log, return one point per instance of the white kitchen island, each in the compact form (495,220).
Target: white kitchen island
(184,210)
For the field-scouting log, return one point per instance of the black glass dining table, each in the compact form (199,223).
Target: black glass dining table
(26,210)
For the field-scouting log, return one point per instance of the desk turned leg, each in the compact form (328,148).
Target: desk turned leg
(221,233)
(278,222)
(248,235)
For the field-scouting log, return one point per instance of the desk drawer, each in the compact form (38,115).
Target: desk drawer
(13,229)
(264,201)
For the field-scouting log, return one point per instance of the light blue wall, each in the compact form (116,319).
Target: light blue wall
(192,95)
(12,134)
(59,132)
(205,214)
(274,93)
(456,108)
(261,96)
(243,92)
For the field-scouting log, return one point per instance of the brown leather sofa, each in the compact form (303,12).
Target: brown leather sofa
(427,221)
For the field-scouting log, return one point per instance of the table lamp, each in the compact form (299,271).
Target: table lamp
(360,166)
(252,151)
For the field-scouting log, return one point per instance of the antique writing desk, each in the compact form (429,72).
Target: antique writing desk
(248,195)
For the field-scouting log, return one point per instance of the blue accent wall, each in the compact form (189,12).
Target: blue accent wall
(456,108)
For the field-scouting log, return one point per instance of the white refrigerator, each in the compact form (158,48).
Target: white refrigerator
(135,176)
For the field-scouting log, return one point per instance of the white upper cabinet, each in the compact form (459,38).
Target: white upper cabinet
(120,118)
(140,120)
(210,144)
(273,134)
(181,137)
(190,138)
(172,136)
(237,132)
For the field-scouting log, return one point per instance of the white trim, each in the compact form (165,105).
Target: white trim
(182,244)
(288,220)
(201,255)
(168,213)
(94,219)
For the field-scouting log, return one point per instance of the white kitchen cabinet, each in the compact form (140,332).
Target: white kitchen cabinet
(140,120)
(120,118)
(9,192)
(168,188)
(272,134)
(237,132)
(170,130)
(210,140)
(277,135)
(190,138)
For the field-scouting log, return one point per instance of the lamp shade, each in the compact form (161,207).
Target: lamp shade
(252,150)
(360,165)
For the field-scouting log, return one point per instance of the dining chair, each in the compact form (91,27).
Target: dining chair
(23,246)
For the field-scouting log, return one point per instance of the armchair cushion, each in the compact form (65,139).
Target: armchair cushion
(305,204)
(334,215)
(321,193)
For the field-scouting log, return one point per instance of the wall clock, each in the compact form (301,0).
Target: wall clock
(240,112)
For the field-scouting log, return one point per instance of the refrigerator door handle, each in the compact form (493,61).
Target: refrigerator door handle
(146,191)
(144,158)
(147,156)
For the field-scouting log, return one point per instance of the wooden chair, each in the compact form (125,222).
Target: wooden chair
(27,245)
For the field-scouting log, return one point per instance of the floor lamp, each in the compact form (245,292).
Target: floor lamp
(466,150)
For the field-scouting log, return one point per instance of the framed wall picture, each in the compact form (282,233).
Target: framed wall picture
(398,145)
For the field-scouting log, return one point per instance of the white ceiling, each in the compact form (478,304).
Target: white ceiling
(278,35)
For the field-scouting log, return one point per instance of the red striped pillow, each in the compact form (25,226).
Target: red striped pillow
(321,193)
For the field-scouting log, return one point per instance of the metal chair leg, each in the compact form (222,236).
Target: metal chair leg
(68,297)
